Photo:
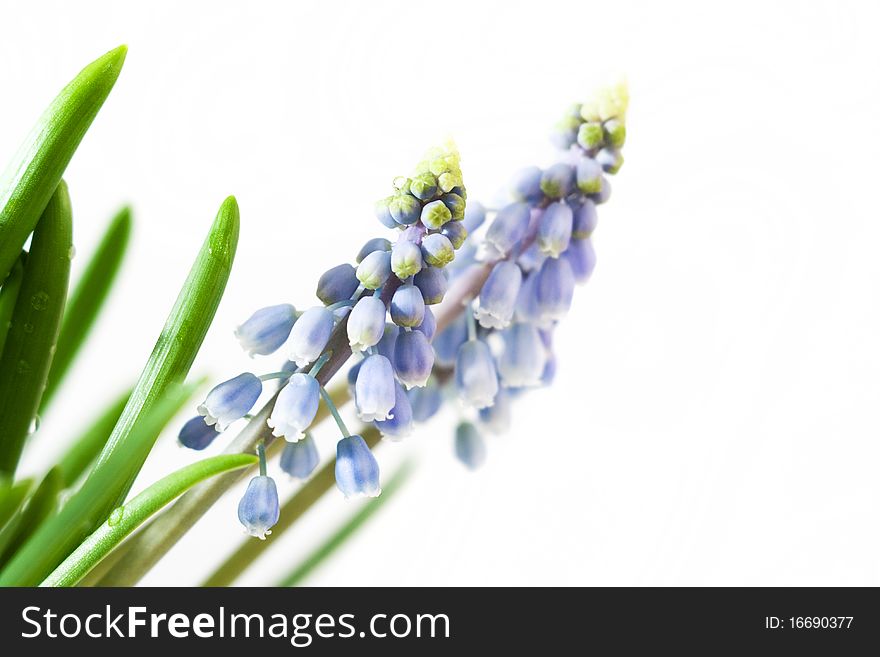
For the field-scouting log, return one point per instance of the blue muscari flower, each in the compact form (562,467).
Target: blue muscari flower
(522,360)
(470,448)
(231,400)
(425,402)
(295,407)
(447,341)
(531,258)
(610,159)
(527,301)
(435,214)
(582,258)
(558,180)
(428,325)
(413,359)
(433,284)
(196,434)
(456,205)
(584,220)
(406,259)
(400,424)
(590,135)
(310,335)
(498,295)
(497,417)
(554,289)
(374,270)
(300,459)
(258,510)
(405,208)
(526,185)
(336,284)
(549,372)
(407,306)
(475,377)
(383,212)
(589,175)
(554,229)
(357,473)
(455,232)
(374,389)
(437,250)
(266,330)
(375,244)
(474,216)
(604,192)
(508,228)
(389,341)
(424,186)
(366,323)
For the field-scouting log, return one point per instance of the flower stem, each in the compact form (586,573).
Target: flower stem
(322,359)
(335,413)
(261,452)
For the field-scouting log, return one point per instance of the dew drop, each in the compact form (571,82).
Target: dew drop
(28,327)
(35,425)
(39,301)
(71,253)
(116,516)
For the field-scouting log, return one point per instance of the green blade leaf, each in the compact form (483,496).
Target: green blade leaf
(86,447)
(36,319)
(87,298)
(184,329)
(94,501)
(31,178)
(125,519)
(9,295)
(40,506)
(11,497)
(326,549)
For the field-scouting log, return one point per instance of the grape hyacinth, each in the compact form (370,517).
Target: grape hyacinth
(458,306)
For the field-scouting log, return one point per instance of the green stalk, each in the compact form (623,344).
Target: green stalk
(8,297)
(310,492)
(125,519)
(326,549)
(11,498)
(36,319)
(87,299)
(33,174)
(42,504)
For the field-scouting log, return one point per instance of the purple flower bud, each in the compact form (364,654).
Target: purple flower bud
(456,205)
(589,175)
(374,389)
(584,220)
(558,180)
(406,259)
(425,402)
(337,284)
(498,295)
(455,232)
(531,258)
(357,473)
(526,185)
(424,186)
(388,341)
(413,358)
(447,341)
(497,417)
(475,375)
(428,325)
(366,323)
(300,459)
(405,209)
(582,258)
(437,250)
(590,135)
(610,160)
(527,300)
(295,407)
(508,228)
(554,229)
(375,244)
(435,214)
(310,335)
(400,424)
(374,270)
(549,370)
(407,306)
(196,434)
(231,400)
(433,284)
(470,448)
(522,360)
(554,289)
(266,330)
(258,510)
(383,212)
(474,216)
(604,192)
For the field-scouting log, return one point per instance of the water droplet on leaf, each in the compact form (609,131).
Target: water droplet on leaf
(39,301)
(116,516)
(71,253)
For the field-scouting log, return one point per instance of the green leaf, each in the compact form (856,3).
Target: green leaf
(36,319)
(32,176)
(11,497)
(86,447)
(9,295)
(94,501)
(87,298)
(40,506)
(184,329)
(125,519)
(335,540)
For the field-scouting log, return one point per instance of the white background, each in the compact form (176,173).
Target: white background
(714,420)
